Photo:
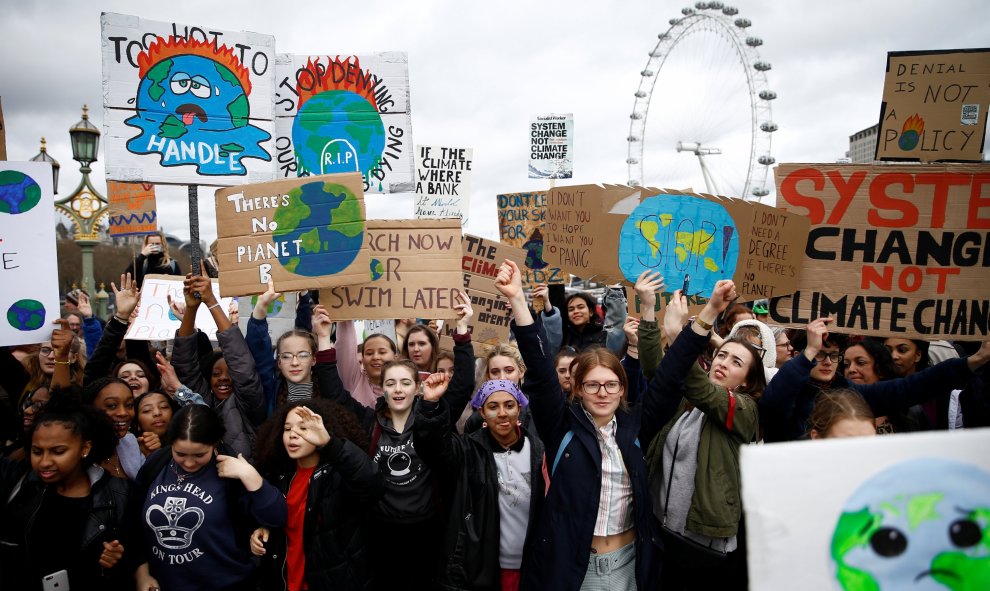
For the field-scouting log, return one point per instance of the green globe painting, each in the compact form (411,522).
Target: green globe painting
(326,219)
(26,315)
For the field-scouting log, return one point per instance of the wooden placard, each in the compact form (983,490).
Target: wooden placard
(521,221)
(893,250)
(935,106)
(416,268)
(303,233)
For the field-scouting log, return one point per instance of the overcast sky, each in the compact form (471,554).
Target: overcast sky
(479,74)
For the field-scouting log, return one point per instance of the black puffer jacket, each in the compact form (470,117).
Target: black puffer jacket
(23,492)
(466,465)
(343,488)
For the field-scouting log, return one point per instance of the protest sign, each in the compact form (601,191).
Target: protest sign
(301,233)
(3,135)
(345,113)
(28,264)
(551,145)
(155,320)
(385,327)
(481,262)
(186,104)
(281,314)
(132,208)
(521,223)
(935,105)
(615,232)
(415,269)
(893,249)
(443,182)
(867,512)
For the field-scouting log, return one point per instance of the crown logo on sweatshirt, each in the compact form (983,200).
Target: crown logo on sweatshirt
(174,524)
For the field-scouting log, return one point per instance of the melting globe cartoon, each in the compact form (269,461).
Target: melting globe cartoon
(192,108)
(923,524)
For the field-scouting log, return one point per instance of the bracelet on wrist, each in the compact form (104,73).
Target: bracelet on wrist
(62,362)
(214,305)
(118,319)
(704,325)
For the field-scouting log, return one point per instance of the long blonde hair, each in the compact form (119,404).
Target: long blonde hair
(166,259)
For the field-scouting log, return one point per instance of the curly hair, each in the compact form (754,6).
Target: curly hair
(269,453)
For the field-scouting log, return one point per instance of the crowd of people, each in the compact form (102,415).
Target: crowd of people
(594,451)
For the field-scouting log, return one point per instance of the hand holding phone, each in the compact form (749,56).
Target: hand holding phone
(687,283)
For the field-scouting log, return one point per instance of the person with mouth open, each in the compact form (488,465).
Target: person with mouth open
(694,423)
(597,505)
(113,397)
(494,473)
(61,511)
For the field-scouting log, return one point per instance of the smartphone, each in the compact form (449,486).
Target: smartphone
(687,282)
(57,581)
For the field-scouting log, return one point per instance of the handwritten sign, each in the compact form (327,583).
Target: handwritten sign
(28,263)
(338,113)
(443,182)
(481,261)
(281,314)
(614,232)
(899,493)
(300,233)
(132,208)
(551,147)
(893,250)
(521,223)
(155,321)
(415,268)
(186,103)
(935,106)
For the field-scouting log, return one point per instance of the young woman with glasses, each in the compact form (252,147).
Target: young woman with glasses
(596,528)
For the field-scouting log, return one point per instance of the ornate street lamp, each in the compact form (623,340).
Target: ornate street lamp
(85,206)
(44,156)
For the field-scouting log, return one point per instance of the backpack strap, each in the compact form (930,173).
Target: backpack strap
(560,450)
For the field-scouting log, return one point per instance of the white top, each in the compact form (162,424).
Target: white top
(616,499)
(514,490)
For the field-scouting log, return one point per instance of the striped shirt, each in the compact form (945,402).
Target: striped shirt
(616,498)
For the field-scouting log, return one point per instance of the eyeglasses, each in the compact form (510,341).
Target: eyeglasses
(786,344)
(762,350)
(591,388)
(834,356)
(46,351)
(303,356)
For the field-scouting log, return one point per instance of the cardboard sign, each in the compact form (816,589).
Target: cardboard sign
(339,113)
(820,515)
(521,223)
(300,233)
(281,314)
(615,232)
(443,182)
(482,259)
(132,208)
(893,250)
(155,321)
(935,106)
(551,145)
(415,267)
(3,135)
(186,103)
(28,263)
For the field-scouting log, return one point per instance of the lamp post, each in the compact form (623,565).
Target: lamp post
(44,156)
(85,205)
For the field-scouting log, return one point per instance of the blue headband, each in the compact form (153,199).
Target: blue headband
(492,386)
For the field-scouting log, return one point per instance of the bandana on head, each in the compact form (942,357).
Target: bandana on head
(492,386)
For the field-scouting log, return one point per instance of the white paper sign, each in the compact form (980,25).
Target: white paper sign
(896,511)
(345,113)
(28,263)
(443,182)
(186,103)
(281,314)
(551,147)
(155,321)
(385,327)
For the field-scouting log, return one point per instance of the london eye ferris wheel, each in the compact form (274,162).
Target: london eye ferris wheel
(710,120)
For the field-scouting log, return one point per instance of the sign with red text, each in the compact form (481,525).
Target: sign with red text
(893,250)
(612,233)
(415,269)
(480,263)
(521,223)
(132,209)
(935,105)
(155,320)
(443,182)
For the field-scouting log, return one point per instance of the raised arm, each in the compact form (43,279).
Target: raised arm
(259,342)
(614,303)
(462,384)
(433,429)
(102,359)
